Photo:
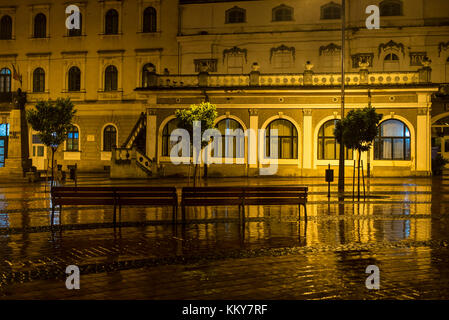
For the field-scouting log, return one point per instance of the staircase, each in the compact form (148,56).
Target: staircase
(130,160)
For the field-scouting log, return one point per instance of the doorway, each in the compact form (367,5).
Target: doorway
(39,154)
(4,133)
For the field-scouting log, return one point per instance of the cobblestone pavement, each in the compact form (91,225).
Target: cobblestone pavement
(402,227)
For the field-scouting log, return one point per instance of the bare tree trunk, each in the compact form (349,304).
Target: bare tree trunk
(358,174)
(52,166)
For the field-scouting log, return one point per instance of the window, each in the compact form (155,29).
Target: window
(390,8)
(391,62)
(73,139)
(74,79)
(149,20)
(282,13)
(287,139)
(5,80)
(77,32)
(328,147)
(235,15)
(39,80)
(331,11)
(167,145)
(110,78)
(236,140)
(40,26)
(111,22)
(146,71)
(6,28)
(109,138)
(392,142)
(235,63)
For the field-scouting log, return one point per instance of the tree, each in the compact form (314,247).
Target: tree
(358,131)
(52,119)
(205,113)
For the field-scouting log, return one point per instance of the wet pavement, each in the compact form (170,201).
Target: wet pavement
(402,227)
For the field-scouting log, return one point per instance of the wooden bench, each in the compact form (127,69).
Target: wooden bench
(243,196)
(114,196)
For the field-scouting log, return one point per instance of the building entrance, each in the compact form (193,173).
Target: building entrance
(4,132)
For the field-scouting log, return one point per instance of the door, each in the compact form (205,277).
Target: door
(38,153)
(3,150)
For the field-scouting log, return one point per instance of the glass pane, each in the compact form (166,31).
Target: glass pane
(286,148)
(392,128)
(329,149)
(329,128)
(386,149)
(2,143)
(407,149)
(320,149)
(398,149)
(40,151)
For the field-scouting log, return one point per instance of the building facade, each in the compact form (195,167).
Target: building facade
(265,64)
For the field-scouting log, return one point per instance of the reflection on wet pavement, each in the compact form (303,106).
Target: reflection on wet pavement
(402,227)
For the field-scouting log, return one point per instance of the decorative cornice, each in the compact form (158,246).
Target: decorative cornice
(283,48)
(391,45)
(331,48)
(235,50)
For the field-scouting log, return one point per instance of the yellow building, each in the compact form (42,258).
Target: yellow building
(264,64)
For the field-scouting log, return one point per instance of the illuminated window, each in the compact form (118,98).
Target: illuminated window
(77,32)
(110,78)
(282,13)
(390,8)
(109,138)
(74,79)
(5,80)
(235,142)
(328,147)
(149,20)
(393,141)
(235,15)
(40,26)
(5,28)
(287,139)
(73,139)
(331,11)
(111,22)
(39,80)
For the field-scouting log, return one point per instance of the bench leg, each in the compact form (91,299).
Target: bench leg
(52,215)
(299,212)
(120,213)
(174,214)
(305,212)
(183,214)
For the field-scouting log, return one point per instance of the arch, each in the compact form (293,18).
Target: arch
(231,122)
(331,11)
(391,62)
(149,20)
(109,136)
(282,13)
(6,28)
(74,79)
(40,26)
(72,142)
(235,15)
(38,80)
(395,143)
(77,32)
(327,147)
(146,70)
(390,8)
(439,117)
(5,80)
(110,78)
(285,151)
(165,132)
(111,22)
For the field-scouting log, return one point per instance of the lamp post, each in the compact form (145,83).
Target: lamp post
(341,161)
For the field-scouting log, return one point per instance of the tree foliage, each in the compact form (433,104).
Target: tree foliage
(52,119)
(358,129)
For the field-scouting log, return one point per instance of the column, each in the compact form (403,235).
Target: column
(151,137)
(307,145)
(423,153)
(253,138)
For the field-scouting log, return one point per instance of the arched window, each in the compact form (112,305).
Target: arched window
(74,79)
(77,32)
(149,20)
(328,147)
(232,138)
(392,141)
(6,28)
(111,22)
(38,80)
(287,139)
(282,13)
(147,69)
(5,80)
(391,62)
(40,26)
(235,15)
(109,138)
(390,8)
(331,11)
(73,139)
(110,78)
(167,145)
